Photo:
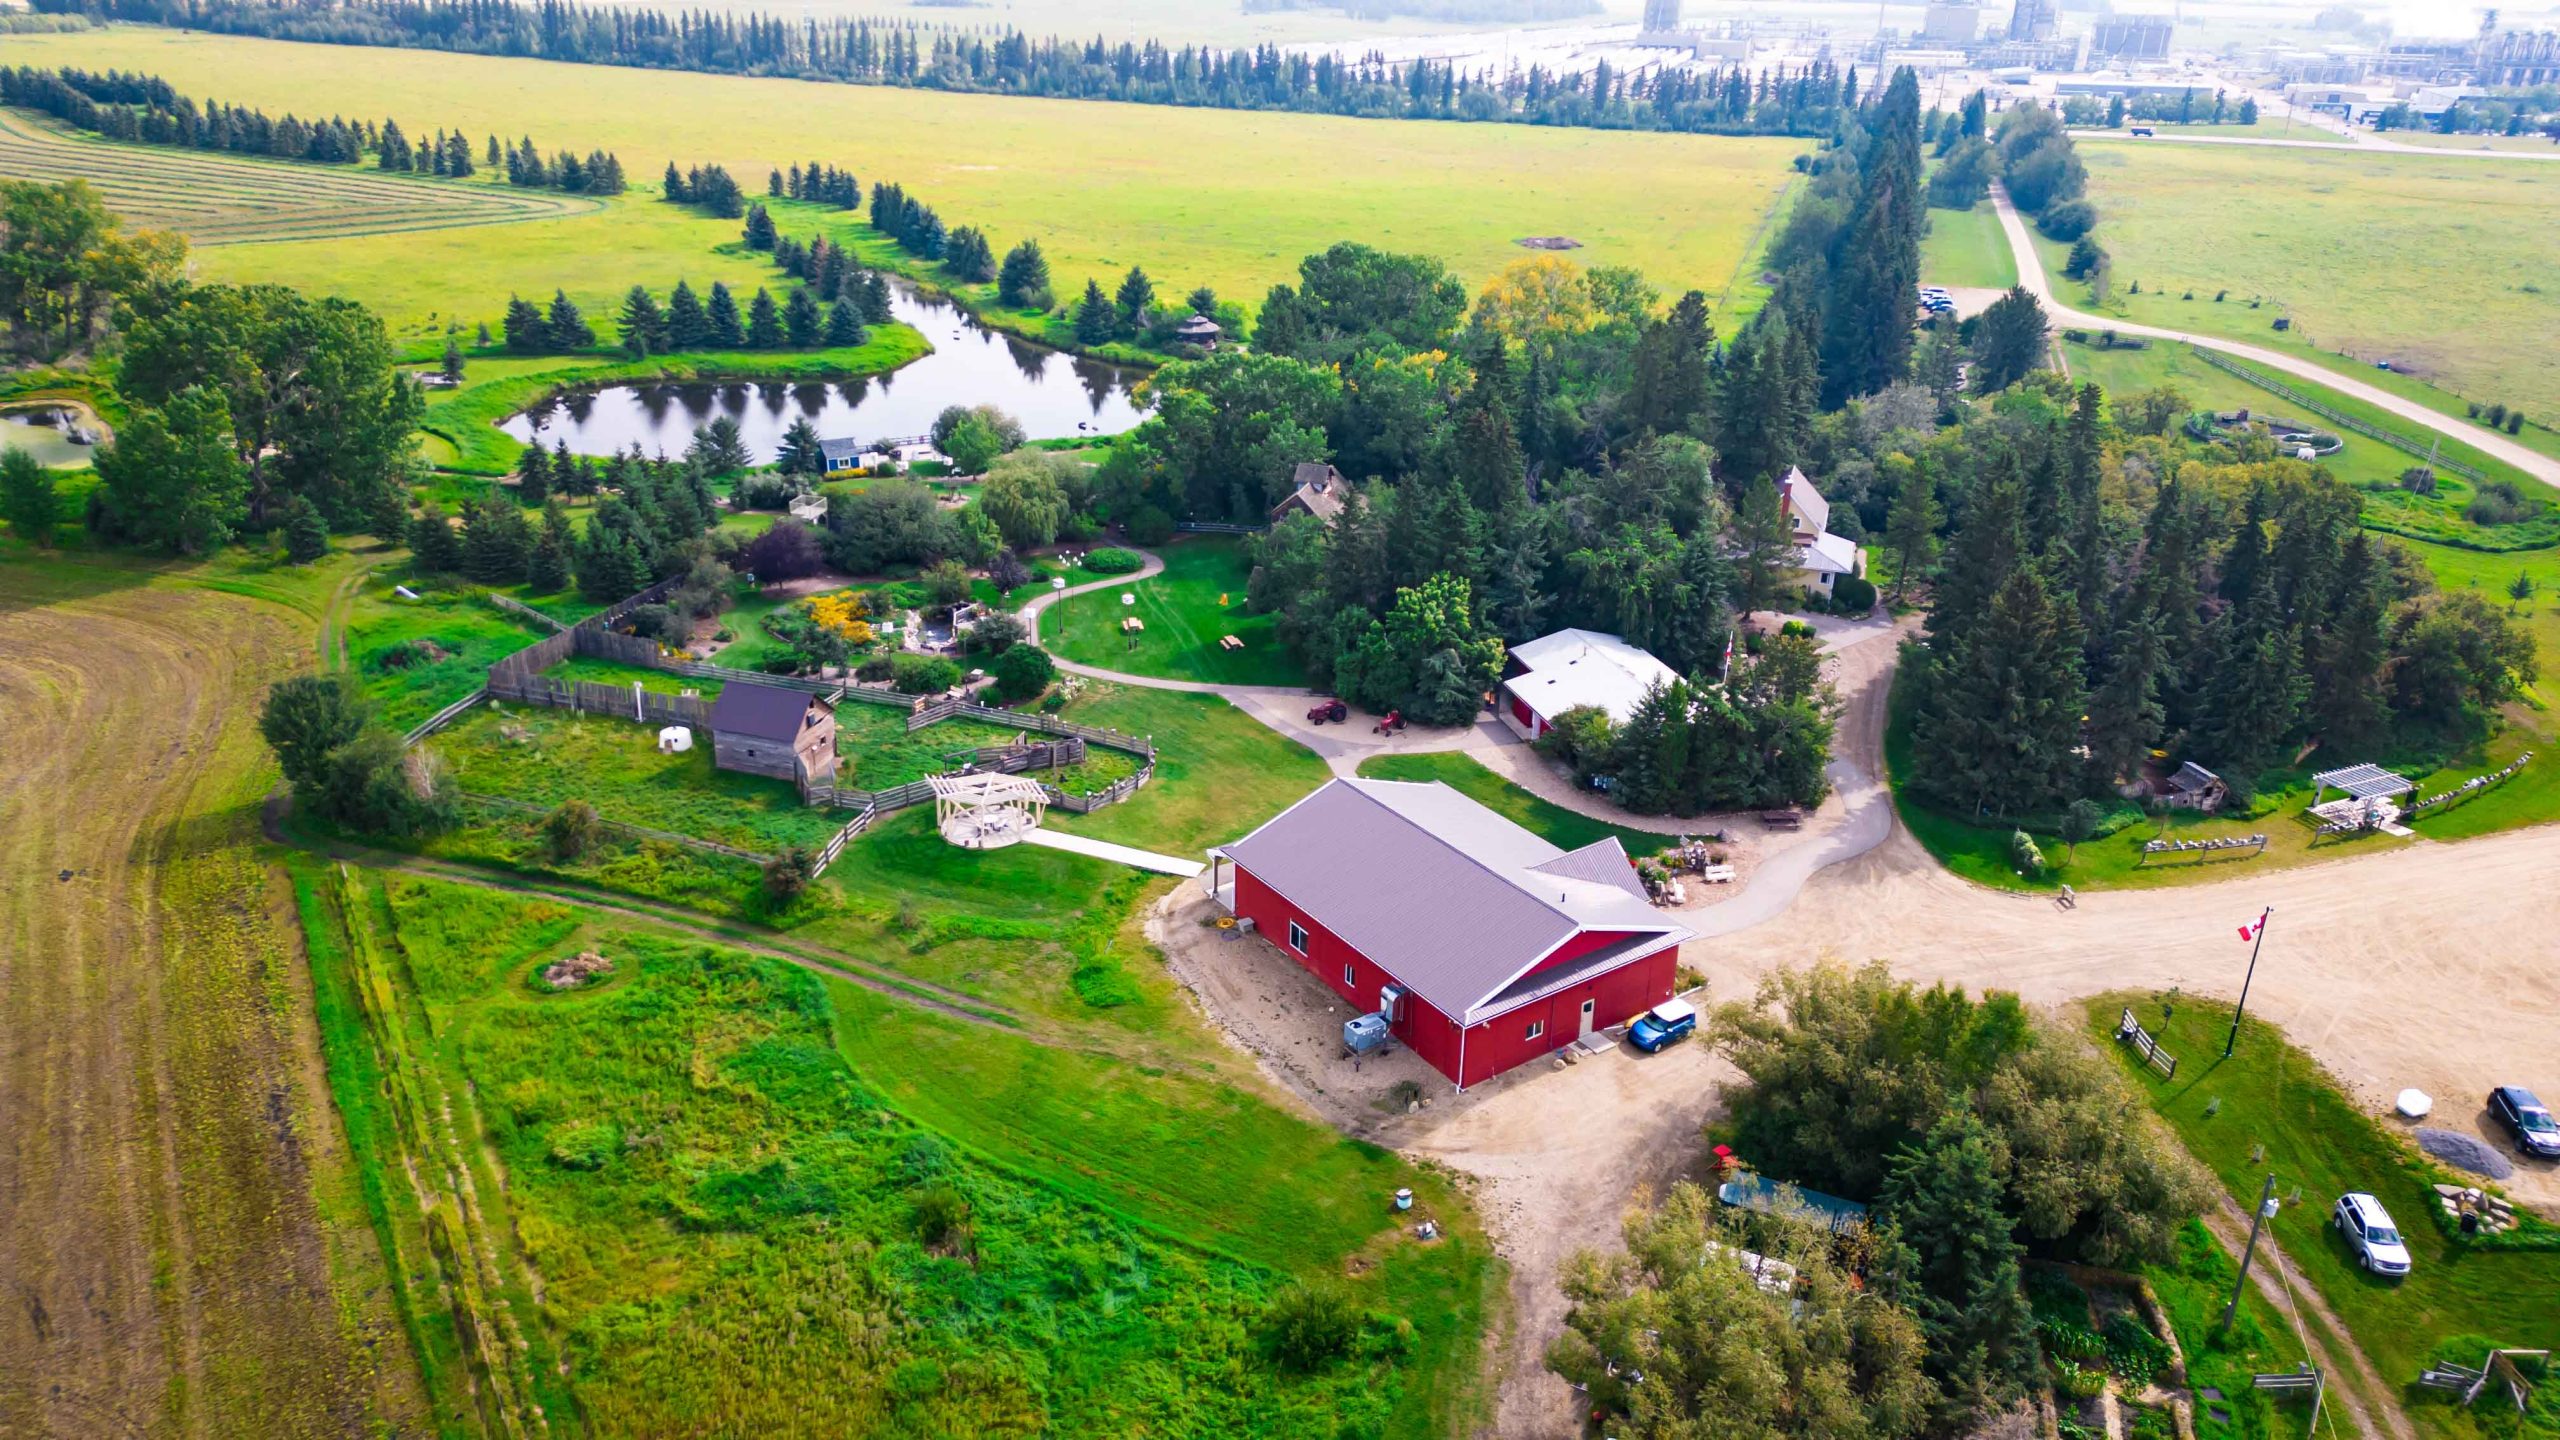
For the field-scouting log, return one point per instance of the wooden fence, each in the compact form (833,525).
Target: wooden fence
(520,609)
(443,717)
(843,837)
(596,697)
(2335,416)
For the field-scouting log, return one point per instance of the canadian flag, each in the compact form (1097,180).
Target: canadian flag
(2250,930)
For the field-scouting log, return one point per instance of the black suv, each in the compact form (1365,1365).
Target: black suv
(2526,1119)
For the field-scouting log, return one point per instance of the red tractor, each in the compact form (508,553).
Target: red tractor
(1325,712)
(1393,723)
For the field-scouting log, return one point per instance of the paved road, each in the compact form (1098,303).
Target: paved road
(2031,274)
(2375,145)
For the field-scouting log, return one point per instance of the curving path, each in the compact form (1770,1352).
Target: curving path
(2031,274)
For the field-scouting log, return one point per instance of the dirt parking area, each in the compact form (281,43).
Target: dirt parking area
(1557,1151)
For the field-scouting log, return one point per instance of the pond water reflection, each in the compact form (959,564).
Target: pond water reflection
(1055,395)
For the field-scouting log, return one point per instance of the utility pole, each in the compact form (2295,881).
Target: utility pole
(2255,941)
(2266,1211)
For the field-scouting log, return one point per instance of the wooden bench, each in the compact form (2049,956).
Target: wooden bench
(1782,819)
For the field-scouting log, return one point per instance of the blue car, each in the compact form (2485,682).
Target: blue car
(1664,1023)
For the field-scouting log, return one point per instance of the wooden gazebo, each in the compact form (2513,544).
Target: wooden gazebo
(987,811)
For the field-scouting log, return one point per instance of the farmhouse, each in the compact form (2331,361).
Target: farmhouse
(766,730)
(1821,557)
(1321,492)
(1483,945)
(1554,673)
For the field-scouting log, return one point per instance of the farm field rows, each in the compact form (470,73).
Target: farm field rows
(184,1235)
(2439,265)
(1102,186)
(216,199)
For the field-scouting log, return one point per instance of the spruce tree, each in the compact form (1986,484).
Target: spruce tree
(1674,370)
(496,542)
(2348,651)
(672,188)
(1023,282)
(1764,547)
(451,369)
(567,328)
(844,325)
(1096,321)
(801,454)
(644,325)
(548,569)
(1961,1275)
(875,299)
(28,500)
(306,534)
(2000,714)
(527,332)
(801,322)
(688,327)
(1911,525)
(2126,718)
(723,330)
(434,548)
(1137,294)
(1874,306)
(760,232)
(2254,696)
(764,322)
(533,476)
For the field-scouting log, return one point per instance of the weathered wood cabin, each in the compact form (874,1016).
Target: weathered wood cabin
(766,730)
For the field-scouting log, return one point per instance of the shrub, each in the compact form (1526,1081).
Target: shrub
(2023,853)
(788,874)
(1150,525)
(2077,1383)
(2499,502)
(1796,628)
(2133,1351)
(994,635)
(941,1213)
(1311,1325)
(2068,219)
(1023,671)
(571,830)
(1853,595)
(923,674)
(2418,480)
(584,1145)
(2515,422)
(1112,560)
(659,623)
(2497,414)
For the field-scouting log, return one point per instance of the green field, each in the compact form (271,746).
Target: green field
(1967,248)
(1102,186)
(216,199)
(2271,1108)
(2440,265)
(1186,610)
(1565,829)
(719,1172)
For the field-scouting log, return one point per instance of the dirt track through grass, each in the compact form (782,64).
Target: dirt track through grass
(219,199)
(169,1173)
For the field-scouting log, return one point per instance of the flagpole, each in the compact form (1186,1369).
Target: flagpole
(2236,1011)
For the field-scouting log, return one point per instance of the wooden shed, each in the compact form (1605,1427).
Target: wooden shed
(767,730)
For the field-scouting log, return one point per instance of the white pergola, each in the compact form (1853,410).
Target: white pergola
(987,811)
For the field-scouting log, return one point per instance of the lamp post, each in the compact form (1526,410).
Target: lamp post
(2256,940)
(2266,1212)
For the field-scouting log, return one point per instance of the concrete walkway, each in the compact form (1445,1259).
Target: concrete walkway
(2031,274)
(1127,855)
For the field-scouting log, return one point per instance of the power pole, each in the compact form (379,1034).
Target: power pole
(2265,1212)
(2255,941)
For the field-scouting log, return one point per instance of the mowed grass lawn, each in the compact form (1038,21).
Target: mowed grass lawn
(1198,599)
(1222,198)
(545,757)
(2271,1108)
(2439,264)
(1967,248)
(1566,829)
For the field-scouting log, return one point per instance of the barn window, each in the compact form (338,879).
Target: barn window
(1537,1028)
(1348,978)
(1297,937)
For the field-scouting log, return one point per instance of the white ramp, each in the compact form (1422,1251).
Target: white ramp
(1118,854)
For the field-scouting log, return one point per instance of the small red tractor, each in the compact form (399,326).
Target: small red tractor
(1393,722)
(1324,712)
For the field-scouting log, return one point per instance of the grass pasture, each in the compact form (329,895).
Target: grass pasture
(1102,186)
(2441,265)
(1198,598)
(720,1211)
(1967,248)
(217,198)
(2273,1101)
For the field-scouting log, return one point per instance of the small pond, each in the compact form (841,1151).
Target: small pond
(45,434)
(1055,395)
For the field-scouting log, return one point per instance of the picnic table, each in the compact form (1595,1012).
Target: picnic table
(1229,642)
(1131,625)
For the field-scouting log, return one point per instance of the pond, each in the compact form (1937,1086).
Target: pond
(45,434)
(1055,395)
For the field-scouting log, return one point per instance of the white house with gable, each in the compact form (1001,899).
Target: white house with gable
(1821,556)
(1554,673)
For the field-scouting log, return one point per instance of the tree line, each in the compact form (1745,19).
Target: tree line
(1805,101)
(147,110)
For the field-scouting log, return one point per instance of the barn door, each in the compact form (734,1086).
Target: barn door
(1589,1009)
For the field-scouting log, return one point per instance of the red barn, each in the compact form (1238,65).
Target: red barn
(1487,946)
